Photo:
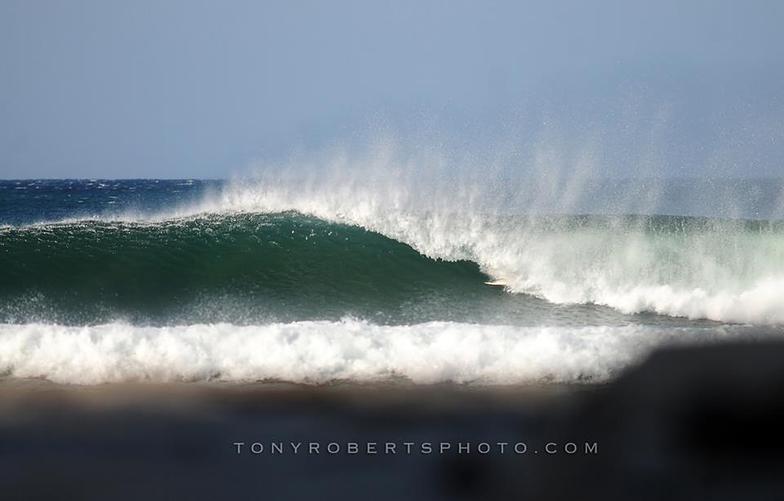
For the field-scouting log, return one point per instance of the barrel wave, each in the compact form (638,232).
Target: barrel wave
(344,280)
(260,267)
(218,267)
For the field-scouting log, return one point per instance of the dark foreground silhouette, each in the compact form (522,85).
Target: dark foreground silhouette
(689,423)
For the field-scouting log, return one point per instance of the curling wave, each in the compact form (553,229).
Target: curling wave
(269,264)
(727,270)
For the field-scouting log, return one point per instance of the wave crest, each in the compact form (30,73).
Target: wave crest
(694,267)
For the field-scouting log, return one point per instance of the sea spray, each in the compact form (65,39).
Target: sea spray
(320,274)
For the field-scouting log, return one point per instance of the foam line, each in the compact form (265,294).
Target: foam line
(322,351)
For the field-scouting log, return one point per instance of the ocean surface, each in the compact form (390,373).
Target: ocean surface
(313,281)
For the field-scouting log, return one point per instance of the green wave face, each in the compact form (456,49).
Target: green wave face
(255,268)
(238,268)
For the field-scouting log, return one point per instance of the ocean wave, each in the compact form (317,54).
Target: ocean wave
(322,351)
(335,259)
(260,265)
(725,270)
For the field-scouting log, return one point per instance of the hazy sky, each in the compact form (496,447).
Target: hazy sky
(201,88)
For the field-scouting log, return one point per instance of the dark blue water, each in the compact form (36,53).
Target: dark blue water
(31,201)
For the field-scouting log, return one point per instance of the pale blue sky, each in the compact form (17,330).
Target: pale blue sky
(151,88)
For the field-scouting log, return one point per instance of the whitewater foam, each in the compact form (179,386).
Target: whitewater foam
(719,269)
(322,351)
(723,270)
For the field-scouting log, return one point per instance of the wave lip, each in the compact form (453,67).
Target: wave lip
(323,351)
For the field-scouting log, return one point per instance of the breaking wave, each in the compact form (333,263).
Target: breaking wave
(729,270)
(323,351)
